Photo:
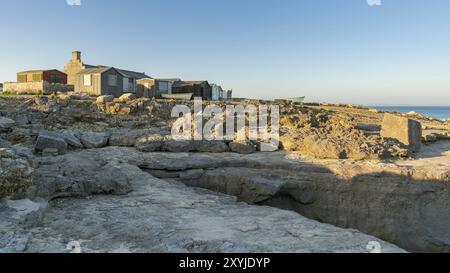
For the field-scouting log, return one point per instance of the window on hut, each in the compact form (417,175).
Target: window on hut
(22,78)
(87,80)
(37,77)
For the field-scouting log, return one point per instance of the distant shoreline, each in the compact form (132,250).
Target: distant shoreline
(438,112)
(407,106)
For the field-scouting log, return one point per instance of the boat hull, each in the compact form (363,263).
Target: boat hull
(184,96)
(297,100)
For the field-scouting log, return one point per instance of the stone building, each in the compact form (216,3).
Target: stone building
(39,82)
(217,91)
(101,80)
(74,66)
(50,76)
(229,95)
(197,88)
(153,88)
(108,80)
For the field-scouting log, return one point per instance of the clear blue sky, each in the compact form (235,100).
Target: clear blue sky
(329,50)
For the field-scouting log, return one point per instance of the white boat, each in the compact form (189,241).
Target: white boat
(297,100)
(181,96)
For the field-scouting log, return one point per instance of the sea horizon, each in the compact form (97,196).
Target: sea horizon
(437,112)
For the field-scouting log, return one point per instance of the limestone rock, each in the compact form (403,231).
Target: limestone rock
(343,202)
(143,103)
(127,97)
(25,212)
(126,110)
(267,146)
(81,176)
(160,216)
(234,182)
(174,146)
(126,138)
(112,178)
(323,148)
(50,152)
(50,141)
(20,135)
(407,131)
(151,143)
(242,148)
(71,139)
(368,127)
(41,100)
(332,137)
(15,173)
(94,140)
(79,96)
(64,97)
(6,124)
(105,99)
(192,174)
(6,153)
(211,146)
(113,107)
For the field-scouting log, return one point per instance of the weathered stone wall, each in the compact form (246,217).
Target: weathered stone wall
(57,87)
(24,88)
(37,88)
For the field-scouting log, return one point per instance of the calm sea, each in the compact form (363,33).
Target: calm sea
(438,112)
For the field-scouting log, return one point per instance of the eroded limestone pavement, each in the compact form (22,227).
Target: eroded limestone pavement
(85,175)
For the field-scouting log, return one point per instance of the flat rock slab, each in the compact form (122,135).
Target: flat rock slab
(123,138)
(50,141)
(6,123)
(94,140)
(211,146)
(242,148)
(71,139)
(162,216)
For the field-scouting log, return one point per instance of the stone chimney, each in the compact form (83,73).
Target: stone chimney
(76,56)
(73,67)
